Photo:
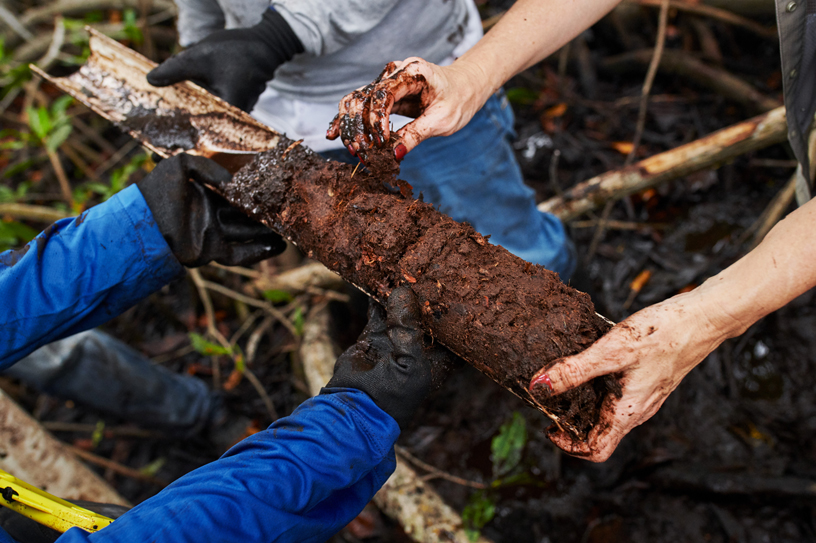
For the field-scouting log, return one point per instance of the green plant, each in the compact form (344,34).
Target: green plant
(506,449)
(51,126)
(14,234)
(118,179)
(277,296)
(208,348)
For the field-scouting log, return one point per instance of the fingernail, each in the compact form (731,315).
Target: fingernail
(399,152)
(351,150)
(328,132)
(542,379)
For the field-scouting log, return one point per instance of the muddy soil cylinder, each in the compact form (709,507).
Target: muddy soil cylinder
(505,316)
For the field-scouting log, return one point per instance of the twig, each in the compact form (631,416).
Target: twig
(13,23)
(266,306)
(600,229)
(650,75)
(57,41)
(246,272)
(116,467)
(244,327)
(434,472)
(33,213)
(681,63)
(255,338)
(211,328)
(65,186)
(780,203)
(116,431)
(117,156)
(714,13)
(93,135)
(253,379)
(74,157)
(620,225)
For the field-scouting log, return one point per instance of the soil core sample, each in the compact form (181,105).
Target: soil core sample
(505,316)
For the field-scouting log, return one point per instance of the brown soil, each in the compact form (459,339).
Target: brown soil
(507,317)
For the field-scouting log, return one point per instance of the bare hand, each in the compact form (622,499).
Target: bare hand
(650,352)
(441,99)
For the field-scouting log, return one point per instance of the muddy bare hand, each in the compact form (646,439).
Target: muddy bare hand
(441,99)
(650,352)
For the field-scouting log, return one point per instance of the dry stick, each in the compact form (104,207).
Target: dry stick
(32,212)
(686,65)
(707,152)
(780,203)
(641,122)
(714,13)
(74,7)
(620,225)
(83,166)
(117,156)
(211,328)
(202,287)
(93,135)
(11,20)
(255,338)
(65,186)
(266,306)
(116,431)
(434,472)
(246,272)
(116,467)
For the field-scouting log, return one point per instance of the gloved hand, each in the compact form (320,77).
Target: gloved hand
(392,361)
(233,64)
(198,225)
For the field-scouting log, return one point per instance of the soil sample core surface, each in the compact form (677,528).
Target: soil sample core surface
(505,316)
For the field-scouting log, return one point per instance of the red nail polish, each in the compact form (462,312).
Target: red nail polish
(542,379)
(399,152)
(351,150)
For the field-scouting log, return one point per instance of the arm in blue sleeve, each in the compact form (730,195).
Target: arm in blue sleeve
(80,273)
(301,480)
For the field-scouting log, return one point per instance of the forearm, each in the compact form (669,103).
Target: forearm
(80,273)
(529,32)
(302,479)
(781,268)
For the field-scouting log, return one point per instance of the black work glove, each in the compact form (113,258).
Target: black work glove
(199,225)
(233,64)
(392,361)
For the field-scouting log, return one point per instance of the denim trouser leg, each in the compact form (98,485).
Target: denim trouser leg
(473,177)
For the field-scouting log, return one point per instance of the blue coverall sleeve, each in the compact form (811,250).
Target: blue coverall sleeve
(80,273)
(301,480)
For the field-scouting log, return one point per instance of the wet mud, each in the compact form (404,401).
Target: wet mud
(504,315)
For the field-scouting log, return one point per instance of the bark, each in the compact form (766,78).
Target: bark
(708,152)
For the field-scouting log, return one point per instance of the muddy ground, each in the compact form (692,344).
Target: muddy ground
(731,456)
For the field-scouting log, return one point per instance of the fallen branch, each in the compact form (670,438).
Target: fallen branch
(300,279)
(684,64)
(708,152)
(32,212)
(405,497)
(53,467)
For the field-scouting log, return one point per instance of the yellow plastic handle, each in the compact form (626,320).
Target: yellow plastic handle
(42,507)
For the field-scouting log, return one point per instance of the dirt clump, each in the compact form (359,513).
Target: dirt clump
(505,316)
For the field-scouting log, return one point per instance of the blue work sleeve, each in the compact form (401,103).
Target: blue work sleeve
(80,273)
(301,480)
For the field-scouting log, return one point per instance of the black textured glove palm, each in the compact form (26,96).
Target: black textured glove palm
(392,361)
(199,225)
(233,64)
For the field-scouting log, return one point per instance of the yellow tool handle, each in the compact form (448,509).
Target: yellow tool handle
(45,508)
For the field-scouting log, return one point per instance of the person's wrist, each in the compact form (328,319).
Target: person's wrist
(473,85)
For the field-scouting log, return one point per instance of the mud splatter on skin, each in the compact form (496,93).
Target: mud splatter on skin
(507,317)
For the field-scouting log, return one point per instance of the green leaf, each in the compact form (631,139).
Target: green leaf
(298,320)
(60,106)
(120,176)
(278,296)
(205,347)
(58,136)
(153,468)
(98,433)
(19,168)
(38,121)
(506,448)
(521,96)
(17,231)
(132,30)
(479,510)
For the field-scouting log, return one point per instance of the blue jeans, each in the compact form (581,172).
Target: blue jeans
(472,176)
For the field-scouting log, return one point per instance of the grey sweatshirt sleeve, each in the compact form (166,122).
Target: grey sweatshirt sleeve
(324,29)
(197,19)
